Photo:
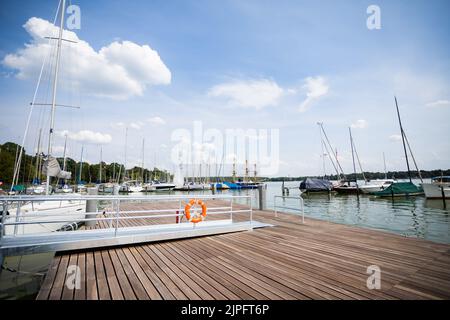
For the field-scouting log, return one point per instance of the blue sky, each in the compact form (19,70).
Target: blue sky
(217,50)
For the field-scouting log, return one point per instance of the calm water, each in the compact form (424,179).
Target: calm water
(412,217)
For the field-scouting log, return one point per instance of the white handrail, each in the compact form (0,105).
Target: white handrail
(302,206)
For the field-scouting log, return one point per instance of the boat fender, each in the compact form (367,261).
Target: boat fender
(198,217)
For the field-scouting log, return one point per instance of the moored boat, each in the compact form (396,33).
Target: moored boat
(439,188)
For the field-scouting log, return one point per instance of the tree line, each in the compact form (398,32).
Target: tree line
(31,169)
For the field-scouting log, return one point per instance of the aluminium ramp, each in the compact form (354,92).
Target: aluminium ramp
(98,238)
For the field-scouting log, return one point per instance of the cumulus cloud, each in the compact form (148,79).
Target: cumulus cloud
(395,137)
(438,103)
(249,93)
(315,87)
(87,136)
(119,70)
(359,124)
(156,120)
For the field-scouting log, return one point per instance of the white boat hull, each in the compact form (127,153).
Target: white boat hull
(434,191)
(66,211)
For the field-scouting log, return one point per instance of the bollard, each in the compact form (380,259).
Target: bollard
(91,206)
(116,189)
(262,197)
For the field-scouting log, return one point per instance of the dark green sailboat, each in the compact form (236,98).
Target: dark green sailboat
(398,189)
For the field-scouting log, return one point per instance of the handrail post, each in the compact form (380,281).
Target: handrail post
(251,214)
(231,209)
(4,213)
(18,212)
(302,203)
(91,208)
(275,206)
(117,218)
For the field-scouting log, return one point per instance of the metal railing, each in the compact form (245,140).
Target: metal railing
(302,206)
(112,214)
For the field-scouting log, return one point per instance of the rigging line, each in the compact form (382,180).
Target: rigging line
(412,156)
(323,153)
(359,161)
(17,166)
(334,155)
(331,159)
(328,151)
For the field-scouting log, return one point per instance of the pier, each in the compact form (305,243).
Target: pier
(288,260)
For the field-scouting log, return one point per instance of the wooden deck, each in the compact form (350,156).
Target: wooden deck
(317,260)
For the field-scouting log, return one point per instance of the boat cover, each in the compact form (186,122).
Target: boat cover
(400,188)
(313,184)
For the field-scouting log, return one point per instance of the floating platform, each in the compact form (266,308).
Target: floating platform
(291,260)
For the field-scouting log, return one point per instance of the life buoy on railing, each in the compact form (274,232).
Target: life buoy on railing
(195,218)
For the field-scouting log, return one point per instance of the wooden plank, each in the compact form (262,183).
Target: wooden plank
(47,285)
(316,260)
(111,277)
(80,294)
(91,282)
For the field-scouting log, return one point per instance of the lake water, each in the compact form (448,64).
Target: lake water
(408,216)
(412,217)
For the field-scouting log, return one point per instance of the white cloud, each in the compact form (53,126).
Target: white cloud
(359,124)
(136,125)
(156,120)
(316,87)
(119,70)
(87,136)
(249,94)
(395,137)
(439,103)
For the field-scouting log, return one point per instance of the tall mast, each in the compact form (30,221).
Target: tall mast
(353,158)
(101,160)
(403,139)
(38,155)
(125,165)
(384,161)
(55,86)
(143,163)
(64,155)
(81,164)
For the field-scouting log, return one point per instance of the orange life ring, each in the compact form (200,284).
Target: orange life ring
(195,218)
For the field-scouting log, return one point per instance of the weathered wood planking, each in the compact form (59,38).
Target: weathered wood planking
(316,260)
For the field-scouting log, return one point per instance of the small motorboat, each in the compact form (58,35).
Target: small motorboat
(439,188)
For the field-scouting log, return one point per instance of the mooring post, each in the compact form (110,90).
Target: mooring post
(443,197)
(91,206)
(262,197)
(1,261)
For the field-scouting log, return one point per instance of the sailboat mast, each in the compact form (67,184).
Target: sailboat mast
(55,86)
(101,160)
(403,139)
(38,155)
(64,155)
(143,154)
(353,159)
(384,161)
(81,164)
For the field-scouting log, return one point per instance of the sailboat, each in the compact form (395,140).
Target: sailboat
(347,186)
(52,210)
(397,189)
